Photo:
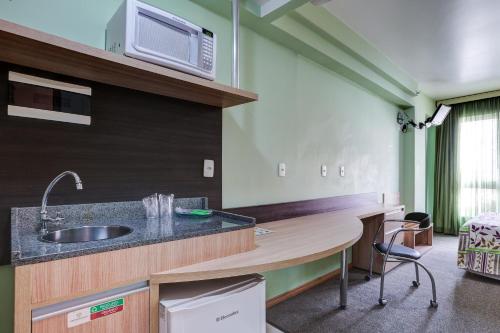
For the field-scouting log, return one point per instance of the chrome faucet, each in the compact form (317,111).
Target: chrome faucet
(43,213)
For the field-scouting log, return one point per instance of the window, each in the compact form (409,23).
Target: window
(478,169)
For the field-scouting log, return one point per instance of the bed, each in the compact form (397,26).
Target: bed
(479,245)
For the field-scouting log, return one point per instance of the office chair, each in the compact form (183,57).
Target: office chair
(399,253)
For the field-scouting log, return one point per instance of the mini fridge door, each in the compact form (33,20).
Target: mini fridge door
(240,309)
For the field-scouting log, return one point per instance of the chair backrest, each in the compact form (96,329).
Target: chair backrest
(423,218)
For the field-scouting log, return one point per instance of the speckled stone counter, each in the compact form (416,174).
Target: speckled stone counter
(28,249)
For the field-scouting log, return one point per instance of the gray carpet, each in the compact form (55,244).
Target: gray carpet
(467,302)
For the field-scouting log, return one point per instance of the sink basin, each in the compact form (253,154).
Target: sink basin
(86,233)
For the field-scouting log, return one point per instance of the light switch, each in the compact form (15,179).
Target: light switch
(282,169)
(342,171)
(208,168)
(323,170)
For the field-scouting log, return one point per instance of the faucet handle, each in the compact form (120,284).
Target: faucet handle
(58,217)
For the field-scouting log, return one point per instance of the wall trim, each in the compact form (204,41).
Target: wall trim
(470,98)
(286,210)
(303,288)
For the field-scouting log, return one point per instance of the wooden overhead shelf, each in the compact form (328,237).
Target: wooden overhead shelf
(32,48)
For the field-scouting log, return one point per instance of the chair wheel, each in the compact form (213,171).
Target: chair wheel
(382,301)
(368,278)
(434,304)
(416,284)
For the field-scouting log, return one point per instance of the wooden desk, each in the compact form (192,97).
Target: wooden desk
(293,242)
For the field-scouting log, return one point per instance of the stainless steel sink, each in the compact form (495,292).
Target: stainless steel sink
(86,233)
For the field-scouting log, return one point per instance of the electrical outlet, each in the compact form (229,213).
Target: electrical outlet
(208,168)
(342,171)
(323,170)
(282,169)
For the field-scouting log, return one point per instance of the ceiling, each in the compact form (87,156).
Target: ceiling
(451,47)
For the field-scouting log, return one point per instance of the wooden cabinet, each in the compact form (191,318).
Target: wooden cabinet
(42,284)
(133,318)
(361,250)
(59,280)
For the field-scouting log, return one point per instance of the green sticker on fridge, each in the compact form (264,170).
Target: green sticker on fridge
(106,309)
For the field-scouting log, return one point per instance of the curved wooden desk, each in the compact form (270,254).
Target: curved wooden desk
(293,242)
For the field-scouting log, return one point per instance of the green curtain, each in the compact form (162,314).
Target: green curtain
(467,164)
(446,177)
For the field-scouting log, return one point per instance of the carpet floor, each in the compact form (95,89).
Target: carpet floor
(467,302)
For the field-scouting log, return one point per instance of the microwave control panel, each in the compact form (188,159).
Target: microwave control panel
(207,50)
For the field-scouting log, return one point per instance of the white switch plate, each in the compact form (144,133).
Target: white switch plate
(282,169)
(342,171)
(323,170)
(208,168)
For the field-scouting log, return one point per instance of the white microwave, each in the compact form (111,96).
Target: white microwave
(144,32)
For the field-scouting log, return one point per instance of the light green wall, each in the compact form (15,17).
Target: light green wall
(306,115)
(407,165)
(281,281)
(424,107)
(314,33)
(414,161)
(83,21)
(335,30)
(6,299)
(431,166)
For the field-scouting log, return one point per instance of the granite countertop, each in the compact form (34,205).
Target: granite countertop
(28,249)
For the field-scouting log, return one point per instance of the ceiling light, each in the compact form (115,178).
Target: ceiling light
(436,119)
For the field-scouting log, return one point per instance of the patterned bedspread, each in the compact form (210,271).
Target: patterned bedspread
(479,244)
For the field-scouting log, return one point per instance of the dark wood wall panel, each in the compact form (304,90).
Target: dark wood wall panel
(138,144)
(286,210)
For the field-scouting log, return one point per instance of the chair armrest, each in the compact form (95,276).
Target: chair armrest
(412,229)
(394,220)
(402,221)
(391,221)
(393,238)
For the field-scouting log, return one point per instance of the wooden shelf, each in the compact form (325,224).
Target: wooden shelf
(32,48)
(420,241)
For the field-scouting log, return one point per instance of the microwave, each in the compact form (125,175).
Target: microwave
(147,33)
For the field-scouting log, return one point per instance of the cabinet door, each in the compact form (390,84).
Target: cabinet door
(133,318)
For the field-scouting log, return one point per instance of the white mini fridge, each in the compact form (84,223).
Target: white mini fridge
(214,306)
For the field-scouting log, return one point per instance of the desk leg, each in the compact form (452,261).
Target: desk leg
(343,279)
